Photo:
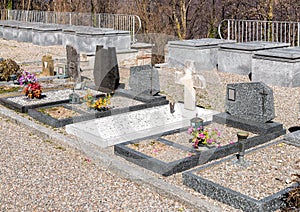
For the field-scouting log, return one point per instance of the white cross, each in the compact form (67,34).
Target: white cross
(190,81)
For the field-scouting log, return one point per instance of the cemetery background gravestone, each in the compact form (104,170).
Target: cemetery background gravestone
(73,59)
(106,70)
(144,80)
(250,107)
(48,65)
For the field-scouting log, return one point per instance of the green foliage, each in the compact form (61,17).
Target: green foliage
(10,5)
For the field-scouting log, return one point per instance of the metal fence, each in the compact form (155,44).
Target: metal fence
(256,30)
(130,23)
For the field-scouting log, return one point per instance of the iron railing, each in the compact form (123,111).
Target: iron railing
(130,23)
(256,30)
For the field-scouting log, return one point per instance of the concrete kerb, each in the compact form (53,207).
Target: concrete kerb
(127,171)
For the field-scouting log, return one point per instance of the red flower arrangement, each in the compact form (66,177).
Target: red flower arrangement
(32,88)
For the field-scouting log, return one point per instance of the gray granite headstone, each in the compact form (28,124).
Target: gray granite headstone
(106,70)
(250,101)
(73,59)
(144,79)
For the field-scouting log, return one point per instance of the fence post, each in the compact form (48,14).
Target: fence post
(228,30)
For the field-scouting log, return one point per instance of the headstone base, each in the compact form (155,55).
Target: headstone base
(248,125)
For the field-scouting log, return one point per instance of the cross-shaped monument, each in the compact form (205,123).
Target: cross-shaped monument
(190,80)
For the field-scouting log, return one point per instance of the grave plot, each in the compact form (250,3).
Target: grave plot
(258,186)
(153,157)
(59,115)
(249,108)
(21,103)
(158,155)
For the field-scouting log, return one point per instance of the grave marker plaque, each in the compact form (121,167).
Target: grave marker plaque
(48,66)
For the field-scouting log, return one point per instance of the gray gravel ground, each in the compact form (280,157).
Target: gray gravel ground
(39,175)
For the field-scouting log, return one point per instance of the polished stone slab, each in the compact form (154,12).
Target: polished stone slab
(116,129)
(250,101)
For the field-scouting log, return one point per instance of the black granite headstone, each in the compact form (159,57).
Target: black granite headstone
(106,71)
(144,80)
(73,59)
(250,101)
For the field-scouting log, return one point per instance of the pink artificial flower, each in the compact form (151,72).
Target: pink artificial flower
(219,146)
(201,135)
(155,150)
(190,130)
(231,142)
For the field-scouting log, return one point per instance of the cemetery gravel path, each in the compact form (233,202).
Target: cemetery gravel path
(39,175)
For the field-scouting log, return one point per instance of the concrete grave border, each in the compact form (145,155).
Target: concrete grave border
(54,122)
(24,108)
(231,197)
(153,164)
(201,157)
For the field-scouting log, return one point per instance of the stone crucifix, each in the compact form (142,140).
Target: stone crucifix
(190,80)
